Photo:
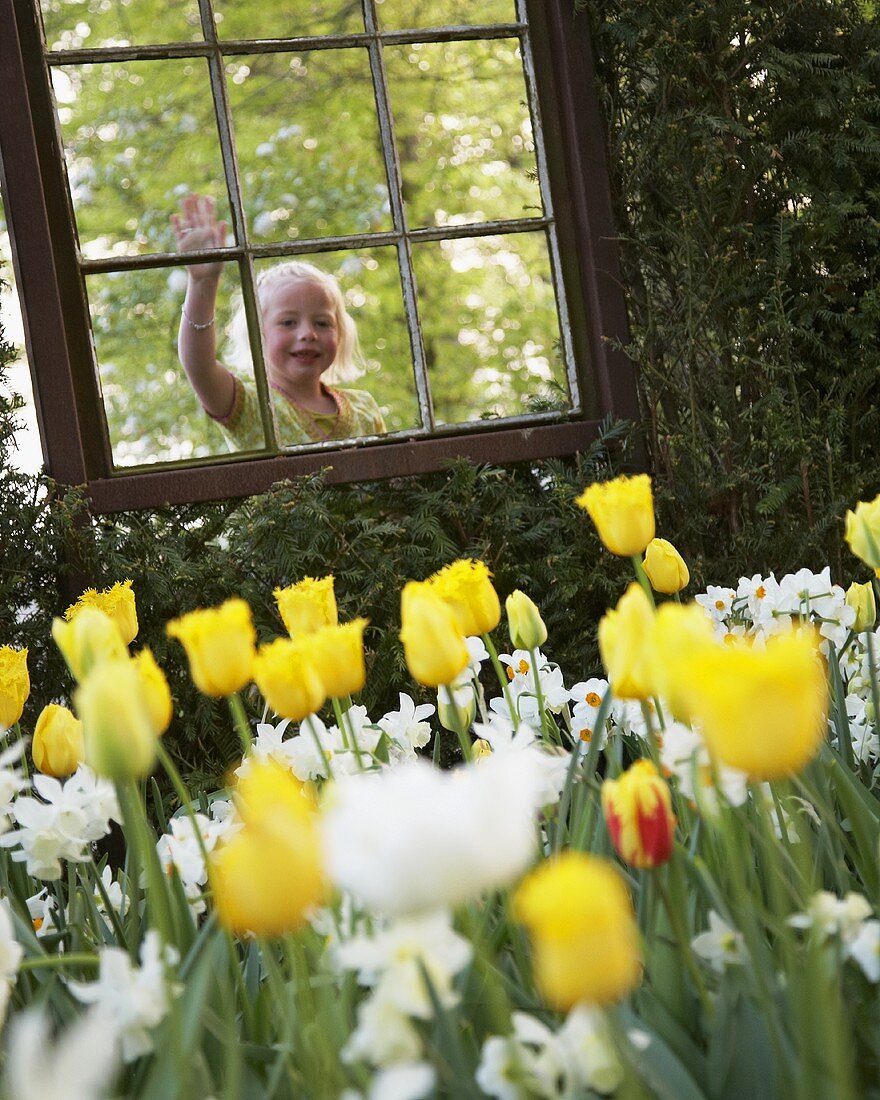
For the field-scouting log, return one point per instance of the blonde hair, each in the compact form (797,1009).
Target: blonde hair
(349,361)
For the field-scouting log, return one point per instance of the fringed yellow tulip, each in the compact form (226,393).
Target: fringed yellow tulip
(90,638)
(117,602)
(585,942)
(120,742)
(308,605)
(337,654)
(466,586)
(624,644)
(863,532)
(638,813)
(219,643)
(269,875)
(860,597)
(15,685)
(433,643)
(623,512)
(58,748)
(285,674)
(762,711)
(527,629)
(156,691)
(665,567)
(678,633)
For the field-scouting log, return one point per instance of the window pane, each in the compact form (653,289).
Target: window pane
(490,327)
(293,19)
(308,144)
(137,137)
(464,134)
(400,14)
(370,283)
(153,415)
(77,24)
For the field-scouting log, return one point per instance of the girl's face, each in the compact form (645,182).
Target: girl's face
(300,331)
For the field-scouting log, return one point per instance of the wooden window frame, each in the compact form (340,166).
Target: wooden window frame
(57,335)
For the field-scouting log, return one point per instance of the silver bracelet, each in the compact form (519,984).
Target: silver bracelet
(192,324)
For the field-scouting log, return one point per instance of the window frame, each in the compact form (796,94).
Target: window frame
(57,330)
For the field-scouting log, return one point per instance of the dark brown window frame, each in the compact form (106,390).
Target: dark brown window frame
(56,328)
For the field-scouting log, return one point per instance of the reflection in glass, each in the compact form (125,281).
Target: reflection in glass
(463,131)
(137,136)
(308,144)
(490,327)
(403,14)
(369,282)
(152,413)
(293,19)
(87,24)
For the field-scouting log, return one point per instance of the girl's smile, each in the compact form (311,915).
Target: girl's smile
(301,334)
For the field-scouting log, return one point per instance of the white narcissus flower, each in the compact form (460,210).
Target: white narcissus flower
(79,1064)
(415,838)
(683,754)
(833,916)
(864,948)
(12,782)
(11,952)
(721,946)
(407,727)
(384,1035)
(41,907)
(407,1081)
(585,1049)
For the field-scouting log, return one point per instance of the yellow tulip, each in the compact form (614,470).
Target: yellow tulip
(120,741)
(117,602)
(433,643)
(466,586)
(638,813)
(156,691)
(527,629)
(665,567)
(585,942)
(860,597)
(219,644)
(15,684)
(269,875)
(337,655)
(57,748)
(308,605)
(762,711)
(623,512)
(285,674)
(90,638)
(624,644)
(863,532)
(678,632)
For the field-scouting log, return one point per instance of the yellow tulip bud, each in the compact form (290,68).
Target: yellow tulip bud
(117,727)
(527,629)
(624,644)
(269,875)
(116,602)
(762,711)
(638,813)
(466,587)
(156,691)
(219,644)
(584,937)
(623,512)
(860,597)
(285,674)
(433,643)
(90,638)
(863,532)
(308,605)
(15,684)
(665,567)
(456,708)
(57,748)
(678,632)
(337,655)
(481,749)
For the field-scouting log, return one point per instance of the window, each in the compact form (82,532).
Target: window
(441,159)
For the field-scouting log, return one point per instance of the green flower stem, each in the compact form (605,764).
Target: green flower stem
(684,944)
(142,848)
(460,729)
(642,577)
(23,742)
(546,723)
(240,721)
(184,796)
(347,731)
(872,665)
(653,747)
(56,962)
(307,722)
(502,679)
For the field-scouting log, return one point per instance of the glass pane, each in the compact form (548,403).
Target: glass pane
(137,136)
(400,14)
(87,24)
(291,19)
(153,414)
(308,144)
(464,134)
(490,327)
(369,281)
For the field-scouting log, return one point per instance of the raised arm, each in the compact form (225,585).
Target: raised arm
(195,227)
